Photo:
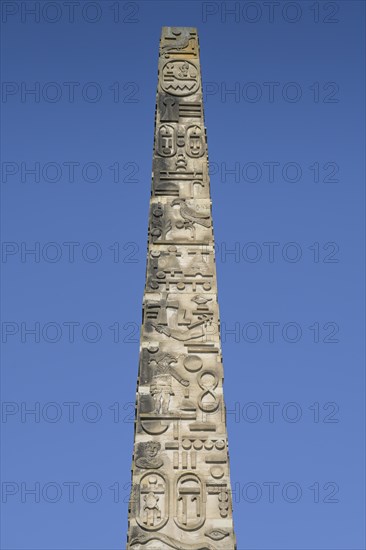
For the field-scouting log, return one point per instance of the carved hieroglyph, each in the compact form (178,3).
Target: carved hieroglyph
(181,495)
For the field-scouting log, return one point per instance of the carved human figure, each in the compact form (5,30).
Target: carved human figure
(149,460)
(161,384)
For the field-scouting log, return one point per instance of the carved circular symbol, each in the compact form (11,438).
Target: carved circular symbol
(209,445)
(186,444)
(193,363)
(198,444)
(220,444)
(153,348)
(181,286)
(217,472)
(179,78)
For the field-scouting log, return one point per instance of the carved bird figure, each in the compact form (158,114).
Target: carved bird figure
(180,40)
(190,216)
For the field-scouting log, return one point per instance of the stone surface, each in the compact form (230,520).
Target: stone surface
(181,495)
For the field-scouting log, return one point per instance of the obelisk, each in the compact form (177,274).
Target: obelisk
(181,494)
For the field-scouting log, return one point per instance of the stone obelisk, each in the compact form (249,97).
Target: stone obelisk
(181,495)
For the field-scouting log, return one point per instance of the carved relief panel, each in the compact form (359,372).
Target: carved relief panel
(181,495)
(174,268)
(180,221)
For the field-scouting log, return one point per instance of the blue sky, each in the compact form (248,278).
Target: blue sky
(284,110)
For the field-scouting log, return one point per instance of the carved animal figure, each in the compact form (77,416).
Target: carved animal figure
(181,40)
(190,216)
